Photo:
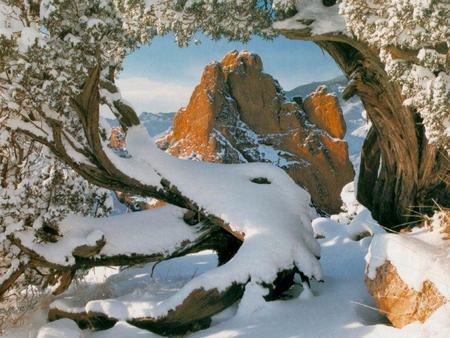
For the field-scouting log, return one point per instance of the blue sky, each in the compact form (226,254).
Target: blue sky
(161,77)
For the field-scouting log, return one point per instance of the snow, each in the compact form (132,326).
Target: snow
(339,307)
(21,125)
(325,19)
(29,36)
(418,257)
(157,231)
(311,311)
(60,328)
(275,221)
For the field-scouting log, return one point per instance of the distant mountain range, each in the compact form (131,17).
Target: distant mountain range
(156,124)
(334,85)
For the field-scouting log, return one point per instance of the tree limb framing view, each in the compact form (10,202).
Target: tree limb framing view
(59,63)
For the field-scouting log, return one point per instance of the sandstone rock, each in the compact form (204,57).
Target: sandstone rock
(400,303)
(240,114)
(324,111)
(117,138)
(117,142)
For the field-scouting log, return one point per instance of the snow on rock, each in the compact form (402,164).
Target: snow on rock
(325,227)
(436,326)
(351,207)
(363,225)
(408,274)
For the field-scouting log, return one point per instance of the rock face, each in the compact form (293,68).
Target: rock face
(323,110)
(240,114)
(117,138)
(400,303)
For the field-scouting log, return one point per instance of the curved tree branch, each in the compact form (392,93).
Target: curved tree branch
(411,169)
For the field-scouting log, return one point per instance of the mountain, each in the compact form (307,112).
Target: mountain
(335,85)
(240,114)
(156,124)
(357,125)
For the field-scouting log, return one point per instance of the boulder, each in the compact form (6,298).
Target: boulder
(240,114)
(407,274)
(400,303)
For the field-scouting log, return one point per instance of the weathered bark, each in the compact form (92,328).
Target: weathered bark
(401,173)
(86,257)
(194,313)
(83,319)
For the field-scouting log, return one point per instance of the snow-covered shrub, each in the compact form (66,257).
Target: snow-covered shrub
(37,191)
(412,37)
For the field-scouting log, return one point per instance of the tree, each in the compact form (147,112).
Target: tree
(59,62)
(396,57)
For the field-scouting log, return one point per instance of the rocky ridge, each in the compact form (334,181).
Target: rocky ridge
(240,114)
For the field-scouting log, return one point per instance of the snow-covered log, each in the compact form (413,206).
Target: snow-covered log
(273,219)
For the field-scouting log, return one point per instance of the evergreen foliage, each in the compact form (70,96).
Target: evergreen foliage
(58,63)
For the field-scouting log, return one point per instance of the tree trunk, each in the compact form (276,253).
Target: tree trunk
(401,175)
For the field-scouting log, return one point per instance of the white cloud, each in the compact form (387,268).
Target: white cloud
(152,96)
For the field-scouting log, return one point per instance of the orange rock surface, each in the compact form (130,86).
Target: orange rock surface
(400,303)
(239,114)
(117,138)
(324,111)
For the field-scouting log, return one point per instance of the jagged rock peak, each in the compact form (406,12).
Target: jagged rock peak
(234,59)
(324,111)
(238,113)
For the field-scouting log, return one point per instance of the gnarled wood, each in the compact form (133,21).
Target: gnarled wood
(401,173)
(194,313)
(84,320)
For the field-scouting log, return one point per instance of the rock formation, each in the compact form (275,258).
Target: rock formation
(240,114)
(407,274)
(400,303)
(117,138)
(323,110)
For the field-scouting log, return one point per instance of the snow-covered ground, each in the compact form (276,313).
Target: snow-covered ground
(338,307)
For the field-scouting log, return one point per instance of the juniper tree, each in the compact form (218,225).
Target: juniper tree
(59,62)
